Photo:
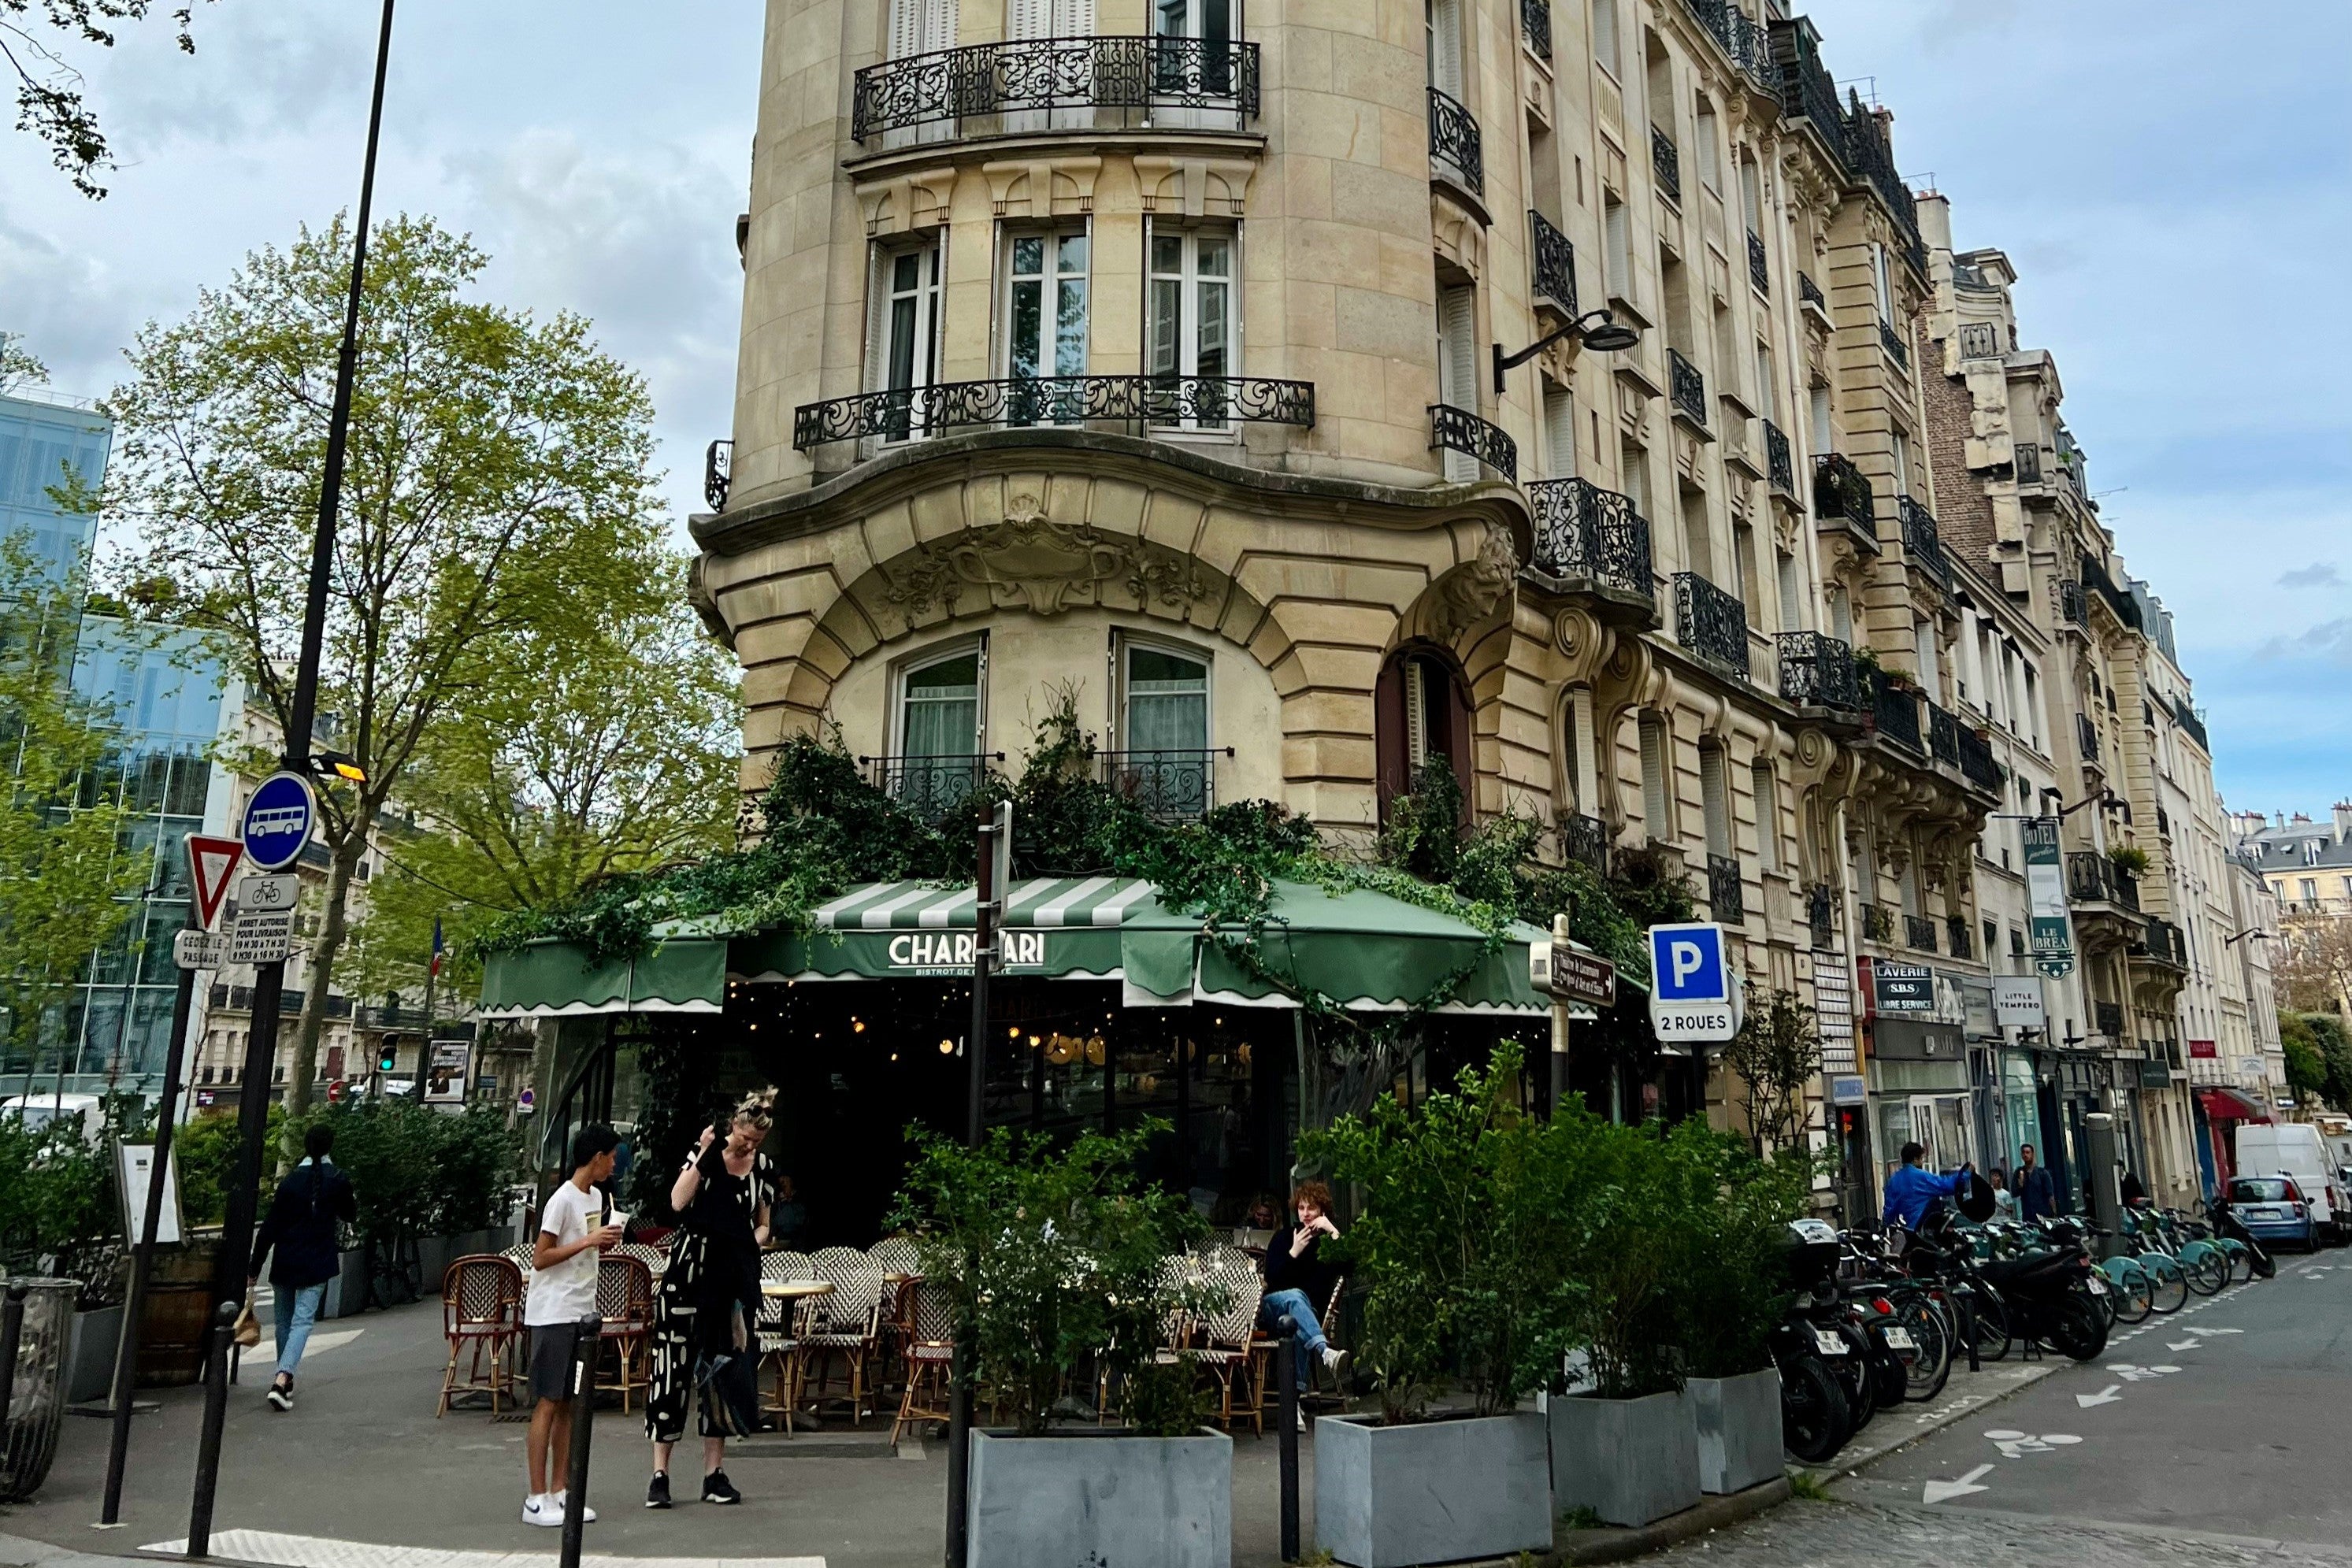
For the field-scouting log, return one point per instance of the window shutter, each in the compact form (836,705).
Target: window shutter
(1712,797)
(1457,370)
(939,24)
(1032,19)
(878,316)
(1560,433)
(1446,46)
(1416,714)
(906,27)
(1654,781)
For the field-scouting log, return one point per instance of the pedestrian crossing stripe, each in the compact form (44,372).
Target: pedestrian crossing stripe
(273,1549)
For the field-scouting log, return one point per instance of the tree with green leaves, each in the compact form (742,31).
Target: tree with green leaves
(2307,1069)
(64,870)
(39,40)
(1776,1055)
(19,366)
(499,470)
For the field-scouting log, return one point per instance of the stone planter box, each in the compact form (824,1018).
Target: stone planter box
(1632,1461)
(89,1361)
(1080,1499)
(1436,1492)
(1739,1423)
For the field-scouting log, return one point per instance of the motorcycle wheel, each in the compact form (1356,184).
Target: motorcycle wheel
(1932,1367)
(1814,1418)
(1854,1371)
(2074,1329)
(1992,1327)
(2210,1273)
(2167,1286)
(2260,1262)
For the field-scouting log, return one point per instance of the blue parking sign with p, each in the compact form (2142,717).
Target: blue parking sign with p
(1686,964)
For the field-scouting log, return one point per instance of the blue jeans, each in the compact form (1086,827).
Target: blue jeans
(1277,1305)
(296,1310)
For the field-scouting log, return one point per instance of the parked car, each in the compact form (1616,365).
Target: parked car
(2272,1209)
(2296,1150)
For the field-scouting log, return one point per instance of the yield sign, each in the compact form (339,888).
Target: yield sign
(211,862)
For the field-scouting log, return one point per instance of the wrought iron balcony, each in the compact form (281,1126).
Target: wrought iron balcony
(2192,725)
(2093,878)
(2027,456)
(1199,403)
(1922,542)
(1809,293)
(2086,736)
(1892,341)
(1710,623)
(1555,264)
(1760,267)
(1122,79)
(1459,430)
(1584,839)
(1584,532)
(1726,899)
(1870,156)
(1687,387)
(2109,1017)
(930,788)
(1895,713)
(717,473)
(1778,461)
(1807,91)
(1877,924)
(1976,764)
(1943,736)
(1454,141)
(1170,785)
(2070,603)
(2162,944)
(1817,671)
(1919,933)
(1534,27)
(1841,491)
(1821,908)
(1667,162)
(1963,941)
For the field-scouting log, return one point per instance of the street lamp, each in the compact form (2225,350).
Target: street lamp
(1607,335)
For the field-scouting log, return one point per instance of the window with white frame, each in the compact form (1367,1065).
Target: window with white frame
(939,729)
(1605,53)
(1046,305)
(1457,367)
(1560,431)
(902,330)
(1194,329)
(1442,28)
(1768,817)
(1882,283)
(1163,763)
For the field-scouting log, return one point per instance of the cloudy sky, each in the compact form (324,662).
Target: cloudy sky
(2169,176)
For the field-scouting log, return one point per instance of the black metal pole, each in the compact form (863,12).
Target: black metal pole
(12,1335)
(1286,1365)
(269,979)
(142,1259)
(584,1421)
(208,1439)
(975,1116)
(1968,1324)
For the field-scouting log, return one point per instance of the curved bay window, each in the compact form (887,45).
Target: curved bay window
(1421,714)
(1164,763)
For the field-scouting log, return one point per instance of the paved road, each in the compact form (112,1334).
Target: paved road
(2229,1418)
(1851,1536)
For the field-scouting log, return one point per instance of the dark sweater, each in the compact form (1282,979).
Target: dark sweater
(1307,1273)
(300,1229)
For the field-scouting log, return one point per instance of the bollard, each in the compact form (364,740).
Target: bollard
(1968,1296)
(584,1418)
(208,1440)
(1285,1365)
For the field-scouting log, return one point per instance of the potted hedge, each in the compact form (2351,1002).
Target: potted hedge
(1624,1445)
(1728,1298)
(1460,1253)
(1057,1266)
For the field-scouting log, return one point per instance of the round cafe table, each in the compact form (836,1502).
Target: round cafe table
(788,1368)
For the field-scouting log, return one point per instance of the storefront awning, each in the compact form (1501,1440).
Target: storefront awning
(1365,950)
(2223,1103)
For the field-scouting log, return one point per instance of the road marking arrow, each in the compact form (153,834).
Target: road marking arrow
(2184,1345)
(1944,1491)
(2216,1331)
(2111,1394)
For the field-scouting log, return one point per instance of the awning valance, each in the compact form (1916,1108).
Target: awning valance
(2224,1103)
(679,973)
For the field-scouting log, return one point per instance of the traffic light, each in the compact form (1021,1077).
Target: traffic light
(387,1054)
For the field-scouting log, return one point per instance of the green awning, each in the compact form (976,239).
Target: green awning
(680,974)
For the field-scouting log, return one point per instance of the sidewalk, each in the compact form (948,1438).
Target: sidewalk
(1964,1393)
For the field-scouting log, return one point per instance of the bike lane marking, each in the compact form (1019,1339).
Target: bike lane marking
(1944,1491)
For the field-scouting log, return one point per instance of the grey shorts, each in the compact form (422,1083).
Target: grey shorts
(553,1347)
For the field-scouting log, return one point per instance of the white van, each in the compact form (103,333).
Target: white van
(2295,1149)
(37,1111)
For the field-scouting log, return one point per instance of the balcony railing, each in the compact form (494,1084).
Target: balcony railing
(1892,341)
(1778,461)
(1809,293)
(1821,908)
(1459,430)
(1583,531)
(1555,264)
(1760,265)
(1534,27)
(1923,541)
(1872,156)
(1841,491)
(2109,1017)
(1943,736)
(1710,623)
(1726,899)
(1878,923)
(1749,44)
(1806,89)
(930,788)
(1817,671)
(1687,387)
(1454,140)
(1108,74)
(909,413)
(1667,162)
(2086,735)
(1976,764)
(2163,943)
(2093,878)
(1895,713)
(2070,603)
(717,473)
(1919,933)
(2193,726)
(1170,785)
(2027,456)
(1962,941)
(1584,839)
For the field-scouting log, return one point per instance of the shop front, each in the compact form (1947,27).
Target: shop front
(1920,1090)
(2221,1110)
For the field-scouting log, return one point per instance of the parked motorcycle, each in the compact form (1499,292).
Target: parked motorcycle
(2053,1297)
(1811,1349)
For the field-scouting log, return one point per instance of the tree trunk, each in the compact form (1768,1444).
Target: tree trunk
(332,929)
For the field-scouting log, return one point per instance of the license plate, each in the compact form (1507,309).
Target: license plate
(2098,1286)
(2265,1214)
(1900,1339)
(1829,1344)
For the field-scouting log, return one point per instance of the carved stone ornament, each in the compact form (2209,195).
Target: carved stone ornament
(1466,593)
(1031,561)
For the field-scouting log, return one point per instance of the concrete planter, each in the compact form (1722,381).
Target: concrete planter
(1739,1423)
(347,1292)
(1630,1460)
(1436,1492)
(90,1362)
(1101,1495)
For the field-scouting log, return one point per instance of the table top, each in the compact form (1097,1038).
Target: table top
(795,1290)
(900,1279)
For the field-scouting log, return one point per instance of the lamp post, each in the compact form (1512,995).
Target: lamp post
(1596,330)
(269,979)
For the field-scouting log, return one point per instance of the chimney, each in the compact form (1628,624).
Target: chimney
(2342,821)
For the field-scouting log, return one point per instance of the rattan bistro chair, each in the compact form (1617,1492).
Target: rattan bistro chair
(847,1324)
(929,1351)
(1226,1350)
(481,1313)
(624,1299)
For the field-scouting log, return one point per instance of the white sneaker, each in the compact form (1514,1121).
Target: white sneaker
(1302,1420)
(563,1502)
(1335,1361)
(545,1511)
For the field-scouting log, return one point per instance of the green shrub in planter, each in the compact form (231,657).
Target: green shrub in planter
(1723,1285)
(2129,860)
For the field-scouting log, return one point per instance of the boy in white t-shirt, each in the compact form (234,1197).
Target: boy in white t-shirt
(574,1231)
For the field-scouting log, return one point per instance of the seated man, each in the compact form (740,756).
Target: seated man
(1297,1282)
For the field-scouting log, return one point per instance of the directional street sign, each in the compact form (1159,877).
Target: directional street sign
(1582,976)
(264,929)
(278,820)
(1693,990)
(211,862)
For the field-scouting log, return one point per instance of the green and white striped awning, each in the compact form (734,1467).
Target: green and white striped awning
(1051,902)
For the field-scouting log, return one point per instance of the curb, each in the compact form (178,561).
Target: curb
(1712,1513)
(1933,1419)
